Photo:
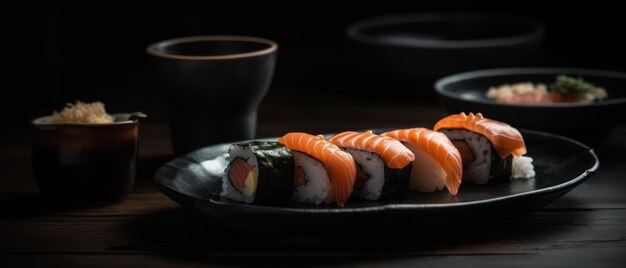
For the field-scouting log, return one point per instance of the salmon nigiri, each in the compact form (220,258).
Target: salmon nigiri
(324,173)
(490,149)
(383,163)
(437,162)
(504,138)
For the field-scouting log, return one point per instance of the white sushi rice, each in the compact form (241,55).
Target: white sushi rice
(228,190)
(317,187)
(522,168)
(426,174)
(374,167)
(478,170)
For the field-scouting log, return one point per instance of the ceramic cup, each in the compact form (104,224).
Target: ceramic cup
(213,85)
(85,163)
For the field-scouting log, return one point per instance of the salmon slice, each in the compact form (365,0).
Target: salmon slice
(504,138)
(393,153)
(339,164)
(439,148)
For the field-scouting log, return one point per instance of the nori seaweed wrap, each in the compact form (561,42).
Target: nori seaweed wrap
(259,172)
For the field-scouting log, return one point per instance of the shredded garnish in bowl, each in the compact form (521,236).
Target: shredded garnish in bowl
(80,112)
(564,89)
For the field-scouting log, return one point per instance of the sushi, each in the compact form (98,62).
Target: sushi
(383,164)
(323,173)
(437,162)
(310,169)
(490,149)
(259,172)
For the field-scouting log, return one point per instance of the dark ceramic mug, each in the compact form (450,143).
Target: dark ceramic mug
(85,163)
(214,85)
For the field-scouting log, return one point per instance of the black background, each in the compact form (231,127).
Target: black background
(60,52)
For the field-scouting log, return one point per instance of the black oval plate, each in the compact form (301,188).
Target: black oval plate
(561,164)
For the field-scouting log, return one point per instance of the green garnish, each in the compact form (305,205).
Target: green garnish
(570,86)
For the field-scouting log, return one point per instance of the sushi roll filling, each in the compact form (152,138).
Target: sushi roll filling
(311,182)
(370,173)
(467,155)
(298,178)
(243,176)
(361,177)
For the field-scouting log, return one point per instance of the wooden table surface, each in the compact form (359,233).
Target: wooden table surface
(586,227)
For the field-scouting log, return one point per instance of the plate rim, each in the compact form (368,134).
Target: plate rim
(387,207)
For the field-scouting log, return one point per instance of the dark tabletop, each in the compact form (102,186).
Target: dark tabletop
(586,227)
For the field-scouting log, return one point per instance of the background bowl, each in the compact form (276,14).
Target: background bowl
(430,45)
(588,122)
(201,75)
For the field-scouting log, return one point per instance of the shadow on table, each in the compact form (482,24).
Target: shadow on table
(181,234)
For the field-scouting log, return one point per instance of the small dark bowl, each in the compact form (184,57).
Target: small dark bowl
(85,163)
(588,122)
(430,45)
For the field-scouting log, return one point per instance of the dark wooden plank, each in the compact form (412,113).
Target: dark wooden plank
(32,205)
(588,257)
(174,231)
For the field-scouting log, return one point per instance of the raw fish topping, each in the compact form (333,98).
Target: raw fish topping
(391,150)
(505,139)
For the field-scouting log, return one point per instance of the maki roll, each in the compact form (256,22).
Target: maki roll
(383,164)
(324,173)
(490,149)
(437,162)
(258,172)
